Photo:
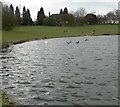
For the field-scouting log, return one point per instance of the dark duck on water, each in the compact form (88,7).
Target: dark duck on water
(78,42)
(69,42)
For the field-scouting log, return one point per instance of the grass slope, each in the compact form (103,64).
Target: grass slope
(24,33)
(5,101)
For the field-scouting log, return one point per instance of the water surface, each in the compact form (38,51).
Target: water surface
(54,71)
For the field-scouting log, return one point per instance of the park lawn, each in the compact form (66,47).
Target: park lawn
(25,33)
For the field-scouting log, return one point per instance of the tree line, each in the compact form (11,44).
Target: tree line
(11,16)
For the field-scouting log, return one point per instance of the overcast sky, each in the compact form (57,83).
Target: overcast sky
(54,6)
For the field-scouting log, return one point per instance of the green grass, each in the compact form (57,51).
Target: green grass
(5,101)
(23,33)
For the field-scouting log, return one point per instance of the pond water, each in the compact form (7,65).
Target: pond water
(60,72)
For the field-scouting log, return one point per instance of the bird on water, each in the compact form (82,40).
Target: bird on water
(69,42)
(78,42)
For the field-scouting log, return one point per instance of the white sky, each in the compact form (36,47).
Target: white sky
(54,6)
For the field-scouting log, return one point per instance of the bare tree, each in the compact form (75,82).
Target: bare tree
(110,17)
(81,12)
(117,13)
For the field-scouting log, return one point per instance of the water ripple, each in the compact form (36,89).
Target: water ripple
(59,73)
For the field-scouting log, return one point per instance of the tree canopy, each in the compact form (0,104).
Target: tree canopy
(91,19)
(11,17)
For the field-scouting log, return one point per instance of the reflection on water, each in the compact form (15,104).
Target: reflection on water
(54,71)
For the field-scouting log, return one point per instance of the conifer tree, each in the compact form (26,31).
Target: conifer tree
(26,20)
(65,11)
(61,12)
(24,17)
(29,19)
(40,16)
(11,9)
(18,17)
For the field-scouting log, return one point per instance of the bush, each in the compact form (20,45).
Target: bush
(49,21)
(91,19)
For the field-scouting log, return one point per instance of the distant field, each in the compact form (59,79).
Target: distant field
(24,33)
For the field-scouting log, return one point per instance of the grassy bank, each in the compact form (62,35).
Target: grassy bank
(24,33)
(5,101)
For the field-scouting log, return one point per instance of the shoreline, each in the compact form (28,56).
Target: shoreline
(6,100)
(6,45)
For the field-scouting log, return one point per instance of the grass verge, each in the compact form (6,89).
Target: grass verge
(6,101)
(25,33)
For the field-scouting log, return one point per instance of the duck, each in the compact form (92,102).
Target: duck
(78,42)
(86,39)
(69,42)
(93,32)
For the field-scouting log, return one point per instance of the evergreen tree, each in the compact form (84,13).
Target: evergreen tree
(11,9)
(17,14)
(40,16)
(61,12)
(24,18)
(24,9)
(65,11)
(29,19)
